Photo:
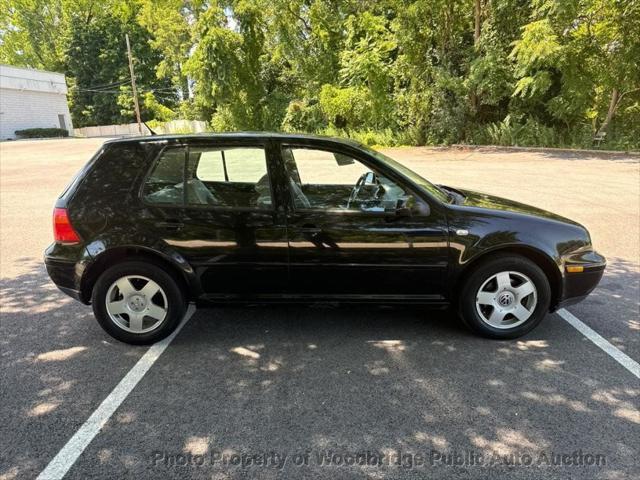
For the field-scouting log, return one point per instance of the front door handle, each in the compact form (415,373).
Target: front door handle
(170,225)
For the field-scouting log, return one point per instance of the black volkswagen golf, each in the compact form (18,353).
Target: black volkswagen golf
(152,223)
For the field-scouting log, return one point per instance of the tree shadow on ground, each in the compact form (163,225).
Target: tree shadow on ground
(292,378)
(57,366)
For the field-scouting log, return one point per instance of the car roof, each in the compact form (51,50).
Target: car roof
(238,136)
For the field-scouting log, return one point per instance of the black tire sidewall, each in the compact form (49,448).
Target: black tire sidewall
(467,300)
(175,299)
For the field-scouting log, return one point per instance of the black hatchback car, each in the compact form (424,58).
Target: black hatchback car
(152,223)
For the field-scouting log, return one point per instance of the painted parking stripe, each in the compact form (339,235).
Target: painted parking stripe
(620,357)
(66,457)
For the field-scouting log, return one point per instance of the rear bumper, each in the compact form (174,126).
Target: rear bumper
(576,286)
(65,271)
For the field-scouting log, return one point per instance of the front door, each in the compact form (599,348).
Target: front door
(354,233)
(227,228)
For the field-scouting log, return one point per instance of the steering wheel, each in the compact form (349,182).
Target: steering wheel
(372,177)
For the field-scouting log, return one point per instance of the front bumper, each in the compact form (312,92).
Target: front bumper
(577,285)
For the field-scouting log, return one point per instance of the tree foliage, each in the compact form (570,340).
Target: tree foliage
(529,72)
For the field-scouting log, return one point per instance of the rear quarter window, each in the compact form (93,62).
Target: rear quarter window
(110,180)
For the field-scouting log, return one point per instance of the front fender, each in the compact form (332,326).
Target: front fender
(477,232)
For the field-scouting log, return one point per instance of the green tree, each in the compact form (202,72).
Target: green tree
(97,67)
(534,72)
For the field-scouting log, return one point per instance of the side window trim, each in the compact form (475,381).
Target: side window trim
(185,168)
(224,166)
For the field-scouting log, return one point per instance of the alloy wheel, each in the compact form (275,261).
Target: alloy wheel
(136,304)
(506,300)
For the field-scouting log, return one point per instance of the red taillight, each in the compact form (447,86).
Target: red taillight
(63,232)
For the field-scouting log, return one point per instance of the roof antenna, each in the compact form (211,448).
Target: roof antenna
(149,128)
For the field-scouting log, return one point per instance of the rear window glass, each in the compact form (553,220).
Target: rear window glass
(220,177)
(231,165)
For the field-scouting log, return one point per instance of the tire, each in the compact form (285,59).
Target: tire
(120,303)
(499,288)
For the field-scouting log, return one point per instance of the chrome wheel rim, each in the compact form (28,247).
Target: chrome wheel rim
(506,300)
(136,304)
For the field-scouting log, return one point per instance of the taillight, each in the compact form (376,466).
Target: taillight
(63,232)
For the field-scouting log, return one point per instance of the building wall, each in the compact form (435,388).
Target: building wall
(31,99)
(25,109)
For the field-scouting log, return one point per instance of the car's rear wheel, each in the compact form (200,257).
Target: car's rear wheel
(505,297)
(137,302)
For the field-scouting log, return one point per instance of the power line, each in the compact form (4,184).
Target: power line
(153,90)
(108,85)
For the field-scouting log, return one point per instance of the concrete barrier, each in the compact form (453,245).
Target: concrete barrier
(131,129)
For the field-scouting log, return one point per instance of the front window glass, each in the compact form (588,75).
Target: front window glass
(410,174)
(320,179)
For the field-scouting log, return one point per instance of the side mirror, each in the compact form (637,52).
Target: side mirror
(403,212)
(409,206)
(343,160)
(406,206)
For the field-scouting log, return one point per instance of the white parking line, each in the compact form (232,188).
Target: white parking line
(62,462)
(623,359)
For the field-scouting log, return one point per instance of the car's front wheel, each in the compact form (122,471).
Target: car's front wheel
(137,302)
(505,297)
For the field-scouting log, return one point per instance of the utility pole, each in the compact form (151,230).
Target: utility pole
(133,86)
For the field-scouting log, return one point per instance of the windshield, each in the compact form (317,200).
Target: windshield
(410,174)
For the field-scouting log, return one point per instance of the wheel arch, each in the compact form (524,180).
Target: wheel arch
(116,255)
(541,259)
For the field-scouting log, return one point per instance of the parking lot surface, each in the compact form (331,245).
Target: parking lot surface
(350,392)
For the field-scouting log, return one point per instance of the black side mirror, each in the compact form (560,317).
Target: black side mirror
(403,212)
(409,206)
(406,206)
(343,160)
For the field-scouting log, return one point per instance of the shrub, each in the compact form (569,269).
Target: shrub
(381,138)
(223,120)
(156,109)
(518,132)
(42,133)
(303,116)
(348,107)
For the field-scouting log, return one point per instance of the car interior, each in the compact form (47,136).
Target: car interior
(371,192)
(217,180)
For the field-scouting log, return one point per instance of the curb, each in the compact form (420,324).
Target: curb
(575,151)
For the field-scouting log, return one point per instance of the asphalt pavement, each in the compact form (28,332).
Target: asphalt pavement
(326,392)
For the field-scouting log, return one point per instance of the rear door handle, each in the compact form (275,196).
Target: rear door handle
(170,225)
(312,230)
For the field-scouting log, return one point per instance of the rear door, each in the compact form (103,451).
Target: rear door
(222,217)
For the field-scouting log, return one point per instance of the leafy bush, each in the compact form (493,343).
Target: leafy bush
(42,133)
(381,138)
(155,108)
(348,107)
(303,116)
(513,131)
(224,120)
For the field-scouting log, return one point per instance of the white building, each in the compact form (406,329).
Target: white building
(32,99)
